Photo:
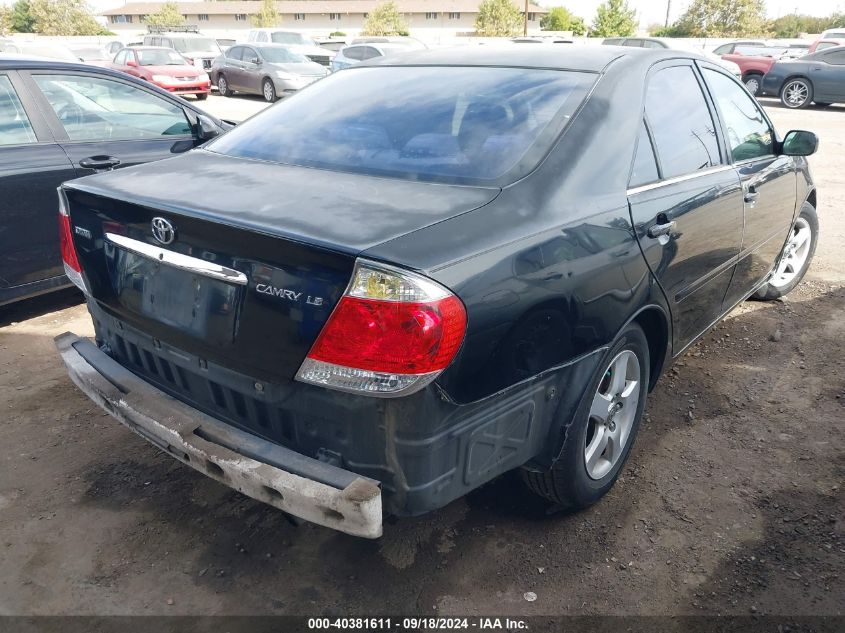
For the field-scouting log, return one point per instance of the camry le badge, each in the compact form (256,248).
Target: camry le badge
(163,230)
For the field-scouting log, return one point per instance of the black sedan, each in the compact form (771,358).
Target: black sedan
(379,308)
(62,120)
(817,78)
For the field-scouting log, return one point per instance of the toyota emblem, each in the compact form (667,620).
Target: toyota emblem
(163,230)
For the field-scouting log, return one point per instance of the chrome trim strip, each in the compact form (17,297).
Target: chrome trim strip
(671,181)
(178,260)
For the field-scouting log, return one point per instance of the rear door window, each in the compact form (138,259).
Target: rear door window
(15,128)
(683,129)
(96,109)
(481,124)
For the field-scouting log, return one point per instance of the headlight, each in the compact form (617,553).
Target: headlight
(164,79)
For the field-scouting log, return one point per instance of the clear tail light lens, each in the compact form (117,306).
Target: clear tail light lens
(73,269)
(392,333)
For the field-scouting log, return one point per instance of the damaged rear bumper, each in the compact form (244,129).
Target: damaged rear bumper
(304,487)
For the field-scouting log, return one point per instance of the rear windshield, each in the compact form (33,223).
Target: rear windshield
(479,125)
(282,37)
(195,45)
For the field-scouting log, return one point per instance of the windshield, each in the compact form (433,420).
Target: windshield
(480,125)
(286,37)
(195,45)
(282,56)
(160,58)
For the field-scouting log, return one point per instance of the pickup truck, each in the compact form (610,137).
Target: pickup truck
(753,68)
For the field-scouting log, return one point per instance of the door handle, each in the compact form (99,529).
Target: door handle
(661,229)
(100,162)
(751,195)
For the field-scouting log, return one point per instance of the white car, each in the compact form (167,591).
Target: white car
(294,41)
(199,50)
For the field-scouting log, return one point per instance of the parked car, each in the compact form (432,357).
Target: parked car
(91,54)
(270,70)
(673,44)
(199,50)
(41,48)
(225,43)
(752,69)
(816,78)
(835,33)
(375,297)
(165,68)
(295,41)
(409,43)
(357,53)
(823,43)
(333,44)
(62,120)
(731,47)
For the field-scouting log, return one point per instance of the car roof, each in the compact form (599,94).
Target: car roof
(585,58)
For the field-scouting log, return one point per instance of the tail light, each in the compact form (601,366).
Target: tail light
(72,268)
(392,333)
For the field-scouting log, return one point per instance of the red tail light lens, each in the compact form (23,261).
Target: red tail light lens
(391,334)
(66,241)
(73,269)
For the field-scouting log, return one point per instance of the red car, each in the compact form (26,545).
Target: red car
(165,68)
(753,67)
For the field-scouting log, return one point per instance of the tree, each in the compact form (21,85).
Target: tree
(724,18)
(794,25)
(267,16)
(614,18)
(167,15)
(64,17)
(562,19)
(385,20)
(498,18)
(5,20)
(22,20)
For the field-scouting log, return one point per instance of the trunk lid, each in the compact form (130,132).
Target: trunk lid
(288,237)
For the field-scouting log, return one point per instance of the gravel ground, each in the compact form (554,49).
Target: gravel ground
(731,503)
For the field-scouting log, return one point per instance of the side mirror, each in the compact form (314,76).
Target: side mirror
(256,61)
(799,143)
(206,128)
(131,62)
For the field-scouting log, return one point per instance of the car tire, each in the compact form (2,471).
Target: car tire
(585,469)
(202,96)
(796,93)
(796,257)
(753,82)
(268,90)
(223,86)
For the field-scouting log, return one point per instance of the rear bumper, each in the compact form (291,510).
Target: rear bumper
(304,487)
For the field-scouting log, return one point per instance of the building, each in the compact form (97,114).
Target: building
(425,18)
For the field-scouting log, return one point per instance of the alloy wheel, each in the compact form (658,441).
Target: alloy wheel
(796,93)
(269,91)
(794,255)
(612,414)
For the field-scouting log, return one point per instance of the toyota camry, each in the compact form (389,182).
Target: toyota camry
(425,271)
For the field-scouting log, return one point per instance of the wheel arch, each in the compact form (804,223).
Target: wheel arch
(811,199)
(797,76)
(656,324)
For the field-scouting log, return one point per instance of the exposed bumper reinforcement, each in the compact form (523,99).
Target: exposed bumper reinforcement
(304,487)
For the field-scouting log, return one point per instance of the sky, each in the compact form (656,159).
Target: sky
(650,11)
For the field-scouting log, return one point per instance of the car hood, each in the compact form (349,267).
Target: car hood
(341,211)
(173,71)
(309,69)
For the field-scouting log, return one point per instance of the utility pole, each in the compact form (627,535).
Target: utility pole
(525,21)
(668,8)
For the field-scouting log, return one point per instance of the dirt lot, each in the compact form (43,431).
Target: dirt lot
(732,502)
